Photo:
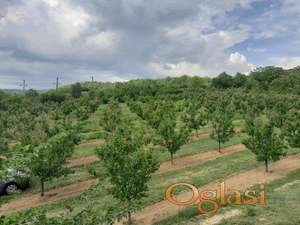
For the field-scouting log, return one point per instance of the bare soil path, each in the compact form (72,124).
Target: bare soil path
(239,181)
(198,158)
(51,196)
(93,143)
(87,160)
(195,137)
(178,162)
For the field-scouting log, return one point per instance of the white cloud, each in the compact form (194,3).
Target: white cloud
(256,50)
(239,63)
(287,62)
(121,40)
(237,58)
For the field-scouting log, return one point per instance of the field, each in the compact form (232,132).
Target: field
(234,135)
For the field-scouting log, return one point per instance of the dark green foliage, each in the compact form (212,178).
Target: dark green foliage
(264,141)
(223,81)
(239,80)
(52,97)
(194,116)
(291,128)
(48,159)
(76,90)
(169,137)
(265,76)
(111,117)
(221,117)
(129,167)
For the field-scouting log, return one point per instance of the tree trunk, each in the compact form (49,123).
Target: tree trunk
(220,146)
(129,217)
(267,165)
(42,188)
(172,161)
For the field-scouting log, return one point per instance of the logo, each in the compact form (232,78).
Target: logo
(209,201)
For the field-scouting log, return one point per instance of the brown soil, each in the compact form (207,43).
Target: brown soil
(82,161)
(195,137)
(90,144)
(178,163)
(198,158)
(50,197)
(239,181)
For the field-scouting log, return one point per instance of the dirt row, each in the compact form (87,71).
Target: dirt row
(71,190)
(50,196)
(199,158)
(178,162)
(239,181)
(93,143)
(86,160)
(195,137)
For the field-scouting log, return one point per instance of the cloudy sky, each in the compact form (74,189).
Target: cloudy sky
(117,40)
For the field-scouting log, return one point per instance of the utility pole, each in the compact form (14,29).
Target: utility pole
(57,83)
(24,85)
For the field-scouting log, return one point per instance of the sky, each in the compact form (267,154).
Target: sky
(120,40)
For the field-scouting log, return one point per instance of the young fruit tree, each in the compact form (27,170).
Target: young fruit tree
(48,159)
(291,128)
(194,116)
(264,142)
(111,117)
(221,119)
(171,138)
(129,166)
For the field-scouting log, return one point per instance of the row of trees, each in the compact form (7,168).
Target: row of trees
(46,125)
(38,131)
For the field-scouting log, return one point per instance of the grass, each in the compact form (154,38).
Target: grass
(188,149)
(84,151)
(190,215)
(199,146)
(282,207)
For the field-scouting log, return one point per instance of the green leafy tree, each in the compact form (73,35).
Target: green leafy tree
(279,112)
(111,116)
(291,128)
(221,119)
(129,167)
(48,159)
(224,80)
(76,90)
(170,137)
(239,80)
(264,141)
(194,116)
